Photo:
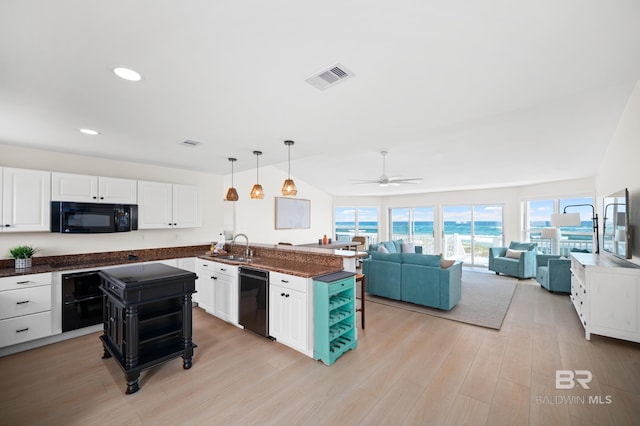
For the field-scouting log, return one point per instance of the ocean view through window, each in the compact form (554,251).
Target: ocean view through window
(538,215)
(352,221)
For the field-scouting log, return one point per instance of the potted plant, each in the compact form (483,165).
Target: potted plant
(22,255)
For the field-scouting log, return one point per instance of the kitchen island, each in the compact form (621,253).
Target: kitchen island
(147,317)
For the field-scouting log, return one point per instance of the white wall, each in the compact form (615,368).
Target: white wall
(256,218)
(620,166)
(56,244)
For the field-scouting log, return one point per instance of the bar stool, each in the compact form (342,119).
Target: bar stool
(360,278)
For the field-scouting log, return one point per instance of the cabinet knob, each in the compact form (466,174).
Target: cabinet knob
(94,197)
(7,225)
(281,294)
(102,198)
(214,278)
(286,295)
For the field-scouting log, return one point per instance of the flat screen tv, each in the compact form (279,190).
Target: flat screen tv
(616,230)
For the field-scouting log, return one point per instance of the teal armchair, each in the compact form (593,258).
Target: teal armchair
(517,260)
(554,273)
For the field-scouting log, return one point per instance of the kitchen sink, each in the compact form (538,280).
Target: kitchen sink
(238,258)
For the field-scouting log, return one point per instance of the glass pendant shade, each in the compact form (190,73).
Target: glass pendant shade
(289,187)
(256,192)
(232,194)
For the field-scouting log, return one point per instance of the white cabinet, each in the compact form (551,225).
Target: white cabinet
(217,289)
(26,200)
(204,294)
(605,292)
(93,189)
(225,289)
(165,205)
(291,310)
(25,308)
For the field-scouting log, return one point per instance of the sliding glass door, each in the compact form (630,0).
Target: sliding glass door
(414,225)
(469,232)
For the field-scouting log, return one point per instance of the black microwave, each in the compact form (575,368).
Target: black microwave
(93,218)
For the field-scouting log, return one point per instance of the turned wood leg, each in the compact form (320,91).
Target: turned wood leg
(106,353)
(133,382)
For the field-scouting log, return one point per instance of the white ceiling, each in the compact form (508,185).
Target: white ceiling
(466,94)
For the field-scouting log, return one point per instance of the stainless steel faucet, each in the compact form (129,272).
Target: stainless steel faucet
(246,250)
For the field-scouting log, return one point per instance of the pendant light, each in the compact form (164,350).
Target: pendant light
(289,187)
(232,194)
(256,191)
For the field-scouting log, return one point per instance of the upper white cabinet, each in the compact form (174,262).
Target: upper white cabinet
(26,200)
(92,189)
(166,205)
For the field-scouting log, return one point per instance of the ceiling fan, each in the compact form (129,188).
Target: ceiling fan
(384,180)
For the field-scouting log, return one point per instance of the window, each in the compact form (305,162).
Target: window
(414,225)
(469,232)
(351,221)
(538,215)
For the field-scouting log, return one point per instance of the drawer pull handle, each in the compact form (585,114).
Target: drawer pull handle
(284,281)
(286,295)
(22,303)
(23,282)
(222,269)
(214,278)
(282,294)
(22,330)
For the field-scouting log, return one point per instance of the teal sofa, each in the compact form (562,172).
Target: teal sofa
(524,266)
(394,246)
(554,273)
(414,278)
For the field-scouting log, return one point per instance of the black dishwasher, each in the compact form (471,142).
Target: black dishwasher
(253,302)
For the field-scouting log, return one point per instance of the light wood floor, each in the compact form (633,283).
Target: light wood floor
(409,368)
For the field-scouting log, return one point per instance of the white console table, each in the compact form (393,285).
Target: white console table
(605,292)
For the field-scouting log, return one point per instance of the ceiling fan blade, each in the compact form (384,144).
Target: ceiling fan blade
(406,180)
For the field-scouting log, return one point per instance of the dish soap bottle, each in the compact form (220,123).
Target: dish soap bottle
(324,240)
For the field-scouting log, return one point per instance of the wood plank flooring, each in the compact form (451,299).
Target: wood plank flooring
(408,369)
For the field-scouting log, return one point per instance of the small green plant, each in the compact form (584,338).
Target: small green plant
(22,252)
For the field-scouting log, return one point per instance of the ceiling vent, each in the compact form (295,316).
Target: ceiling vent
(329,77)
(190,143)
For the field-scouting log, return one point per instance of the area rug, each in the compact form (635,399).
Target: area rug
(485,300)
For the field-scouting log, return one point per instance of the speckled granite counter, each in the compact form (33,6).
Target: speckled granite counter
(299,261)
(97,260)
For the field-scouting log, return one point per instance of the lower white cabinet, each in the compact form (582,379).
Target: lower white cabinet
(25,308)
(225,292)
(204,285)
(605,292)
(217,289)
(291,310)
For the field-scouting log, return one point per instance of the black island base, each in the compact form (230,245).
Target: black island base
(147,317)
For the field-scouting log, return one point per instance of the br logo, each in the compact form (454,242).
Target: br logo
(566,379)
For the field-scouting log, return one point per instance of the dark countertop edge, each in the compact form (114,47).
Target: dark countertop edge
(265,265)
(189,251)
(336,276)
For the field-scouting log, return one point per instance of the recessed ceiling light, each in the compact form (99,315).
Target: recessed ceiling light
(89,132)
(127,74)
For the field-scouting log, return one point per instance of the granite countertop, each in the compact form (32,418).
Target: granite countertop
(290,267)
(297,264)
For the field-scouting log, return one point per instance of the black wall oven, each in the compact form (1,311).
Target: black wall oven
(82,300)
(93,218)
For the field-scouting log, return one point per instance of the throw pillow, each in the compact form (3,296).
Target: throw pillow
(446,263)
(408,248)
(514,254)
(382,249)
(390,246)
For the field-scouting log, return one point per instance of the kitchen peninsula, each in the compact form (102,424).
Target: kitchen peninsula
(290,268)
